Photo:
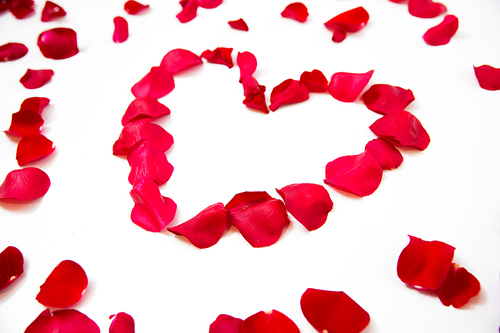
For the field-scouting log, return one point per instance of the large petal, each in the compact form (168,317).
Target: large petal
(58,43)
(24,123)
(11,266)
(147,161)
(52,11)
(33,147)
(226,324)
(488,77)
(157,83)
(121,323)
(62,321)
(144,107)
(34,79)
(287,92)
(346,87)
(384,98)
(120,33)
(441,34)
(177,60)
(142,129)
(296,11)
(25,184)
(220,55)
(350,21)
(425,8)
(12,51)
(458,287)
(385,153)
(269,322)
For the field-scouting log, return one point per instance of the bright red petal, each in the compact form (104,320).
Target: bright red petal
(346,87)
(254,94)
(121,30)
(488,77)
(315,81)
(226,324)
(12,51)
(25,184)
(147,161)
(238,24)
(11,266)
(62,321)
(157,83)
(247,63)
(188,12)
(209,4)
(350,21)
(142,129)
(458,287)
(133,7)
(441,34)
(34,79)
(269,322)
(33,147)
(21,8)
(220,55)
(122,323)
(425,8)
(384,98)
(51,12)
(296,11)
(35,104)
(58,43)
(385,153)
(24,123)
(177,60)
(287,92)
(144,107)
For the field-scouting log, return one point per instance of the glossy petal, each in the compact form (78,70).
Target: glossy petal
(25,184)
(62,321)
(142,129)
(147,161)
(34,79)
(209,4)
(52,11)
(220,55)
(458,287)
(425,8)
(11,266)
(21,8)
(157,83)
(346,87)
(177,60)
(189,10)
(120,33)
(269,322)
(315,81)
(58,43)
(12,51)
(385,153)
(226,324)
(488,77)
(35,104)
(133,7)
(384,98)
(122,323)
(296,11)
(423,264)
(441,34)
(247,63)
(287,92)
(144,107)
(33,147)
(24,123)
(64,287)
(238,24)
(350,21)
(333,311)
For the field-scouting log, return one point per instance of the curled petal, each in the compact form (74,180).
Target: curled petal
(157,83)
(121,323)
(220,55)
(226,324)
(188,12)
(257,102)
(385,153)
(346,87)
(64,286)
(147,161)
(269,322)
(441,34)
(142,129)
(238,24)
(247,63)
(12,51)
(25,184)
(34,79)
(251,86)
(384,98)
(58,43)
(315,81)
(358,174)
(35,104)
(296,11)
(121,30)
(62,321)
(287,92)
(177,60)
(33,147)
(333,311)
(133,7)
(308,203)
(152,211)
(350,21)
(458,287)
(21,8)
(209,4)
(51,12)
(425,8)
(144,107)
(488,77)
(24,123)
(11,266)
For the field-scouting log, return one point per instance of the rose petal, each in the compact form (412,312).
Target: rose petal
(205,229)
(220,55)
(346,87)
(308,203)
(33,147)
(34,79)
(121,323)
(21,8)
(423,264)
(4,5)
(11,266)
(24,123)
(12,51)
(350,21)
(403,128)
(58,43)
(35,104)
(177,60)
(144,107)
(251,86)
(425,8)
(296,11)
(152,211)
(441,34)
(333,311)
(133,7)
(157,83)
(188,12)
(142,129)
(226,324)
(384,98)
(269,322)
(458,287)
(25,184)
(254,94)
(247,63)
(62,321)
(64,287)
(385,153)
(147,161)
(121,30)
(287,92)
(315,81)
(358,174)
(488,77)
(209,4)
(51,12)
(238,24)
(244,200)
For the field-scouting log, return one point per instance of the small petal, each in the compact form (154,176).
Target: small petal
(25,184)
(33,147)
(147,161)
(488,77)
(177,60)
(287,92)
(251,86)
(247,63)
(142,129)
(425,8)
(296,11)
(157,83)
(220,55)
(12,51)
(238,24)
(441,34)
(133,7)
(209,4)
(269,322)
(24,123)
(62,321)
(384,98)
(144,107)
(315,81)
(254,94)
(226,324)
(350,21)
(35,104)
(122,323)
(346,87)
(51,12)
(11,266)
(188,12)
(385,153)
(58,43)
(34,79)
(21,8)
(458,287)
(121,30)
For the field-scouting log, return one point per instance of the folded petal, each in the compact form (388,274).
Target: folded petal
(226,324)
(144,107)
(238,24)
(142,129)
(346,87)
(269,322)
(133,7)
(12,51)
(25,184)
(147,161)
(11,266)
(287,92)
(220,55)
(177,60)
(296,11)
(33,147)
(251,86)
(62,321)
(441,34)
(247,63)
(24,123)
(120,33)
(34,79)
(385,153)
(157,83)
(350,21)
(121,323)
(58,43)
(425,8)
(384,98)
(458,287)
(35,104)
(488,77)
(188,12)
(52,11)
(257,102)
(209,4)
(22,8)
(315,81)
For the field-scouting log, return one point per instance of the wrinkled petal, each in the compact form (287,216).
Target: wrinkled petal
(488,77)
(157,83)
(254,94)
(144,107)
(142,129)
(296,11)
(269,322)
(350,21)
(403,128)
(121,323)
(385,153)
(152,211)
(226,324)
(35,104)
(52,11)
(441,34)
(58,43)
(12,51)
(64,287)
(220,55)
(188,12)
(205,229)
(384,98)
(209,4)
(238,24)
(22,8)
(34,79)
(247,63)
(24,123)
(147,161)
(120,33)
(333,311)
(315,81)
(62,321)
(308,203)
(423,264)
(25,184)
(33,147)
(251,86)
(425,8)
(133,7)
(287,92)
(11,266)
(358,174)
(346,87)
(177,60)
(458,287)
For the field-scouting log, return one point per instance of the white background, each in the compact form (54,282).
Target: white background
(450,192)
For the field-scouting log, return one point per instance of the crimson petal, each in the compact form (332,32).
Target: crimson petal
(209,4)
(147,161)
(33,147)
(425,8)
(315,81)
(238,24)
(350,21)
(25,184)
(58,43)
(21,8)
(52,11)
(24,123)
(220,55)
(157,83)
(458,287)
(441,34)
(287,92)
(296,11)
(121,30)
(34,79)
(35,104)
(385,153)
(384,98)
(488,77)
(226,324)
(188,12)
(133,7)
(144,107)
(269,322)
(122,323)
(254,94)
(62,321)
(12,51)
(11,266)
(247,63)
(142,129)
(177,60)
(346,87)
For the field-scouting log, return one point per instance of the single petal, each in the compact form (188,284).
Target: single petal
(157,83)
(346,87)
(226,324)
(120,33)
(11,266)
(385,153)
(177,60)
(144,107)
(238,24)
(12,51)
(358,174)
(425,8)
(247,63)
(147,161)
(205,229)
(350,21)
(269,322)
(333,311)
(423,264)
(296,11)
(121,323)
(64,287)
(62,321)
(315,81)
(52,11)
(257,102)
(287,92)
(308,203)
(33,147)
(58,43)
(24,123)
(188,12)
(488,77)
(35,104)
(25,184)
(34,79)
(458,287)
(441,34)
(142,129)
(384,98)
(209,4)
(220,55)
(133,7)
(22,8)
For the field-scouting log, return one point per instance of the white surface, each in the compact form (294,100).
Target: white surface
(449,192)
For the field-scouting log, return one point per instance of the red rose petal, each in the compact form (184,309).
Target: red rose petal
(51,11)
(287,92)
(12,51)
(34,79)
(308,203)
(251,86)
(64,286)
(133,7)
(121,30)
(350,21)
(157,83)
(21,8)
(209,4)
(11,266)
(488,77)
(4,5)
(33,147)
(122,323)
(244,200)
(358,174)
(177,60)
(296,11)
(458,287)
(62,321)
(220,55)
(238,24)
(403,128)
(226,324)
(147,161)
(384,98)
(25,184)
(269,322)
(247,63)
(441,34)
(385,153)
(58,43)
(205,229)
(142,129)
(346,87)
(152,211)
(35,104)
(24,123)
(254,94)
(144,107)
(188,12)
(333,311)
(425,8)
(315,81)
(423,264)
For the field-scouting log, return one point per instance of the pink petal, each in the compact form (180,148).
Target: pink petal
(333,311)
(287,92)
(269,322)
(220,55)
(62,321)
(296,11)
(403,128)
(51,12)
(177,60)
(24,123)
(33,147)
(133,7)
(58,43)
(226,324)
(188,12)
(385,153)
(458,287)
(144,107)
(35,104)
(21,8)
(152,211)
(121,30)
(441,34)
(147,161)
(157,83)
(209,4)
(238,24)
(247,63)
(64,287)
(384,98)
(205,229)
(346,87)
(358,174)
(25,184)
(488,77)
(423,264)
(350,21)
(122,323)
(11,266)
(425,8)
(142,129)
(34,79)
(12,51)
(315,81)
(308,203)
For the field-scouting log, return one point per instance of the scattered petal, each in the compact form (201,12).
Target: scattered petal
(315,81)
(188,12)
(247,63)
(62,321)
(220,55)
(488,77)
(269,322)
(133,7)
(34,79)
(287,92)
(296,11)
(177,60)
(350,21)
(346,87)
(425,8)
(251,86)
(11,266)
(58,43)
(25,184)
(157,83)
(33,147)
(441,34)
(21,8)
(384,98)
(226,324)
(142,129)
(385,153)
(121,30)
(12,51)
(254,94)
(238,24)
(51,12)
(122,323)
(144,107)
(147,161)
(209,4)
(458,287)
(24,123)
(35,104)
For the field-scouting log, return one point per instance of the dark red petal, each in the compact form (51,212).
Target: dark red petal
(226,324)
(425,8)
(350,21)
(35,104)
(403,128)
(346,87)
(385,153)
(488,77)
(157,83)
(424,264)
(62,321)
(209,4)
(152,211)
(12,51)
(34,79)
(144,107)
(458,287)
(4,5)
(333,311)
(269,322)
(142,129)
(25,184)
(133,7)
(257,102)
(33,147)
(238,24)
(147,161)
(308,203)
(296,11)
(247,63)
(58,43)
(220,55)
(384,98)
(188,12)
(21,8)
(64,286)
(51,11)
(122,323)
(177,60)
(315,81)
(24,123)
(441,34)
(11,266)
(287,92)
(358,174)
(121,30)
(205,229)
